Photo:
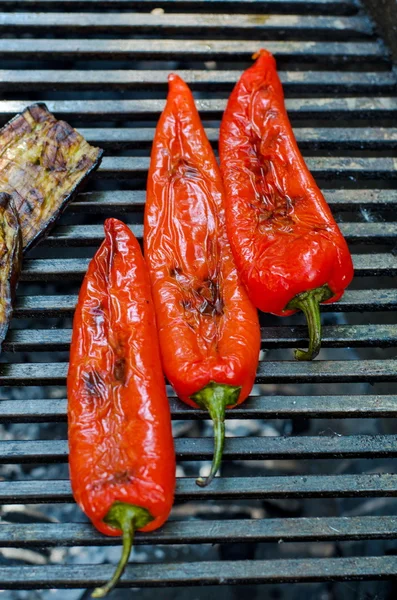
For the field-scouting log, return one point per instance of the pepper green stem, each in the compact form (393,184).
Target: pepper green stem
(309,304)
(215,397)
(128,518)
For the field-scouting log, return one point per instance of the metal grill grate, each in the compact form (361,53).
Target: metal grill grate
(105,70)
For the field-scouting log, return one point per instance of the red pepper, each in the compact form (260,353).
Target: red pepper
(122,462)
(208,328)
(289,251)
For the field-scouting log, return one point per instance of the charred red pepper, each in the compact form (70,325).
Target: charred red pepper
(208,328)
(122,461)
(289,251)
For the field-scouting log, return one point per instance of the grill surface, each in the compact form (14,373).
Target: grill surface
(103,65)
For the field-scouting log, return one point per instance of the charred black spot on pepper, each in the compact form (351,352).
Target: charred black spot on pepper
(181,167)
(212,299)
(120,364)
(186,304)
(120,370)
(123,477)
(274,207)
(115,479)
(182,279)
(277,214)
(175,271)
(206,299)
(97,312)
(205,308)
(211,309)
(94,385)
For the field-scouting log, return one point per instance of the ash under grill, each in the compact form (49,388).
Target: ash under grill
(309,485)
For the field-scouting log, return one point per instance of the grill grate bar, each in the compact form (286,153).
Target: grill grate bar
(151,49)
(255,407)
(225,488)
(193,532)
(305,6)
(247,448)
(134,200)
(321,166)
(90,235)
(352,301)
(348,371)
(307,137)
(272,25)
(306,81)
(362,107)
(75,269)
(203,573)
(333,336)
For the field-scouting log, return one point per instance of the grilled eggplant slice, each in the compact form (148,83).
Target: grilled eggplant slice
(43,163)
(10,259)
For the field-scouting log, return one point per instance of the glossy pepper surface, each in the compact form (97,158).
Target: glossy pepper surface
(122,462)
(208,328)
(289,251)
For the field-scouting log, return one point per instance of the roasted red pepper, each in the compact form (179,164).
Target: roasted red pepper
(122,462)
(289,251)
(208,328)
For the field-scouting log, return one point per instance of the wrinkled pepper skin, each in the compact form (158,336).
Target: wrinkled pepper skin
(10,259)
(283,236)
(120,439)
(208,328)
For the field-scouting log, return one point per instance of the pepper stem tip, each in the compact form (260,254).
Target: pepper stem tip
(309,303)
(215,397)
(128,518)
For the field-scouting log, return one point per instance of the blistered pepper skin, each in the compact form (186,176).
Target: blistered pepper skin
(283,236)
(208,328)
(120,440)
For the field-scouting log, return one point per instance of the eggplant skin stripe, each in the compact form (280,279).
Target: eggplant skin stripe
(43,163)
(10,259)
